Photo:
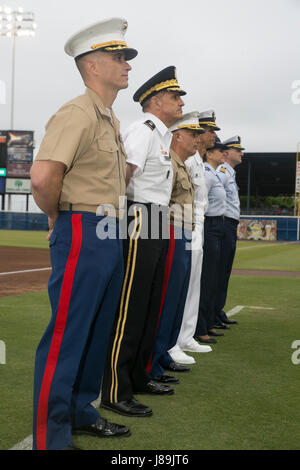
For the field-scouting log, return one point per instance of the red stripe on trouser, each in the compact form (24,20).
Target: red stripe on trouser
(60,323)
(168,266)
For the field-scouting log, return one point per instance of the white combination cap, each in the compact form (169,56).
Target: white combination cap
(234,142)
(208,118)
(188,121)
(107,35)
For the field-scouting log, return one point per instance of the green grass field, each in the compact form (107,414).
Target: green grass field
(243,395)
(23,238)
(268,256)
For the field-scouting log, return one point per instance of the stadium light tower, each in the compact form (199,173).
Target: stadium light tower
(13,24)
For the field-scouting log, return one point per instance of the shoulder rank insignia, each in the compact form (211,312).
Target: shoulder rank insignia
(150,124)
(223,169)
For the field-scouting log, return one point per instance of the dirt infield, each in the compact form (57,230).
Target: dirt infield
(22,259)
(27,259)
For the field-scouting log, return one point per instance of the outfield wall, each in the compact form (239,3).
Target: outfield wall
(23,221)
(287,229)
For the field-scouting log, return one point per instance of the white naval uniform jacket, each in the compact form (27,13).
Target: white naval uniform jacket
(148,148)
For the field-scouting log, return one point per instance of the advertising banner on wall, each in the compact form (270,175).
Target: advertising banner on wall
(19,154)
(257,230)
(18,170)
(18,186)
(20,138)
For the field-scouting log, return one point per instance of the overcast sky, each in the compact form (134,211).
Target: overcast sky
(238,57)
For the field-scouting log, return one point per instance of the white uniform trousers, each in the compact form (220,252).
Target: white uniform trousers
(190,315)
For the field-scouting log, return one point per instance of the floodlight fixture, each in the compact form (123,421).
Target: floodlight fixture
(15,23)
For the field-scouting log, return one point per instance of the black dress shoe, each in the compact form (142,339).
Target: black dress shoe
(205,341)
(154,388)
(215,333)
(102,428)
(221,327)
(130,407)
(230,322)
(166,379)
(174,367)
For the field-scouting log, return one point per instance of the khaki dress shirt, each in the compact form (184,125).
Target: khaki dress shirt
(182,198)
(85,136)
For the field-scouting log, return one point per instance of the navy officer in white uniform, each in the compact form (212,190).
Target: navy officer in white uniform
(227,174)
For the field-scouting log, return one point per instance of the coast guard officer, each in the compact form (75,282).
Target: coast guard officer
(81,165)
(226,172)
(149,173)
(213,234)
(186,133)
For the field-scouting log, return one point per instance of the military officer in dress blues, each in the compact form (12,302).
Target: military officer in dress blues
(81,166)
(213,235)
(226,172)
(149,175)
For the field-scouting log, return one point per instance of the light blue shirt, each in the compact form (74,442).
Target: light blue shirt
(227,175)
(216,192)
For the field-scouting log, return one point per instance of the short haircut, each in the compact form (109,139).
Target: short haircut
(80,64)
(81,60)
(147,104)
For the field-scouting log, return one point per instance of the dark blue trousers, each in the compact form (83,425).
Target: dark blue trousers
(84,289)
(228,248)
(174,302)
(211,272)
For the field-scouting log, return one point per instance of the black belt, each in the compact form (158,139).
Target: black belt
(233,221)
(215,217)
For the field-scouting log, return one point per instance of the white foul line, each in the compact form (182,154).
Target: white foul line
(26,444)
(238,308)
(24,271)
